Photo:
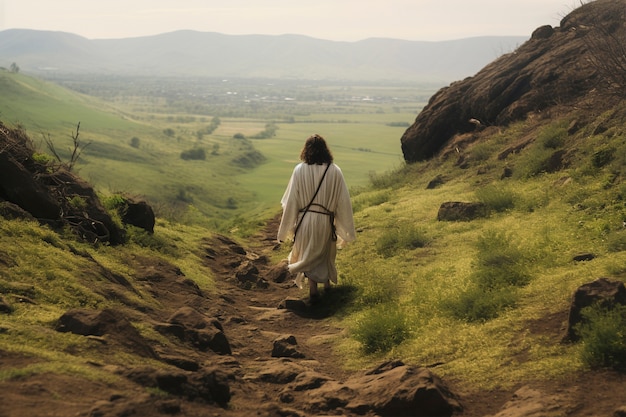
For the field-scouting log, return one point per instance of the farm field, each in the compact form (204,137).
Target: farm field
(249,135)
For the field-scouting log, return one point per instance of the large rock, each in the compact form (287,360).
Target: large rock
(208,385)
(18,186)
(50,193)
(394,389)
(603,291)
(554,66)
(191,326)
(110,323)
(139,214)
(391,389)
(461,211)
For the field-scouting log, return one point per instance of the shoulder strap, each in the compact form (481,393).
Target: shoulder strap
(308,206)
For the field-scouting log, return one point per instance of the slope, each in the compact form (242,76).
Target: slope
(153,169)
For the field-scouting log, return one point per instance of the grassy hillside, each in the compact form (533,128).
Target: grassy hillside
(464,297)
(470,296)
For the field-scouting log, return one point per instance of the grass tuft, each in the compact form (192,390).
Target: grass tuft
(603,337)
(381,328)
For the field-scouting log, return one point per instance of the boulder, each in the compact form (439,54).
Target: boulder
(395,389)
(286,347)
(209,385)
(139,214)
(603,291)
(11,211)
(281,371)
(278,273)
(529,402)
(109,322)
(191,326)
(435,182)
(461,211)
(18,186)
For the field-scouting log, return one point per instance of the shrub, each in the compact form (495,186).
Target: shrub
(193,154)
(396,239)
(603,336)
(499,262)
(539,158)
(616,242)
(113,201)
(498,270)
(381,329)
(42,158)
(135,142)
(78,202)
(482,151)
(552,137)
(602,157)
(478,305)
(496,198)
(250,159)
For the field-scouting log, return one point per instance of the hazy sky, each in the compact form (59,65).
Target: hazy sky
(341,20)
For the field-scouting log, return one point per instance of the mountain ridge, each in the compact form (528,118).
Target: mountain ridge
(194,53)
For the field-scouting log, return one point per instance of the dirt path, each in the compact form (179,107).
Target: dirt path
(247,304)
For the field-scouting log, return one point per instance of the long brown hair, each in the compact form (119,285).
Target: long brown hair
(315,151)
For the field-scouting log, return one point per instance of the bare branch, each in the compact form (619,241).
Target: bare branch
(78,148)
(51,147)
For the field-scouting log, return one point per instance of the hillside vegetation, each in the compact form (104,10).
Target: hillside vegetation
(483,302)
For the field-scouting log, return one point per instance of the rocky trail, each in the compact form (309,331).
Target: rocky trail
(254,348)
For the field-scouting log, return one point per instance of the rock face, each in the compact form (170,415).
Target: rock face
(51,194)
(556,65)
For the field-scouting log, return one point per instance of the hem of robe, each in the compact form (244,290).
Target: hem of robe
(300,278)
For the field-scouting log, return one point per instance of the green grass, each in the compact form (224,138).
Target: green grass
(469,294)
(458,294)
(603,337)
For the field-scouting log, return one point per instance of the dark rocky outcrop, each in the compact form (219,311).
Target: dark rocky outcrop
(603,291)
(18,186)
(554,66)
(390,389)
(12,211)
(139,214)
(461,211)
(51,194)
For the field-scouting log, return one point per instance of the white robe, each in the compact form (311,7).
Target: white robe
(314,251)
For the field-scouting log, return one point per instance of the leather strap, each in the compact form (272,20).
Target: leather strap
(308,206)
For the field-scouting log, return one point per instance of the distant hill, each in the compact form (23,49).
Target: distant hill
(191,53)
